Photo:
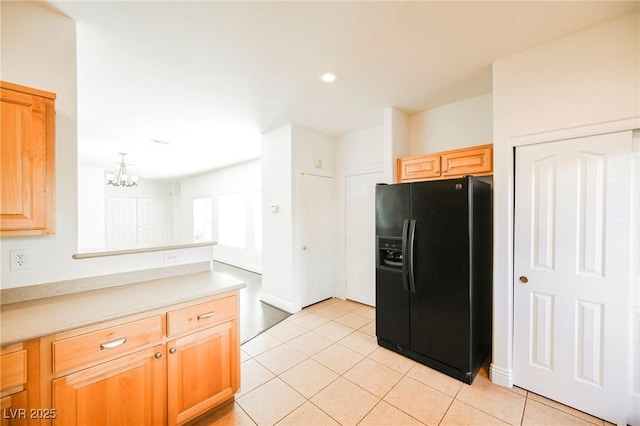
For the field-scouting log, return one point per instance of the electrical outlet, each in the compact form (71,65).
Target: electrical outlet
(171,257)
(20,259)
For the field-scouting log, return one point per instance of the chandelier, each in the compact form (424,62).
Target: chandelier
(121,178)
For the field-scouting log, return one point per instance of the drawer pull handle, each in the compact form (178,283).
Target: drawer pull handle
(206,316)
(113,344)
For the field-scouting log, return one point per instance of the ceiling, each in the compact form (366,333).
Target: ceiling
(208,77)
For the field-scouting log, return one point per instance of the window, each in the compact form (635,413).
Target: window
(232,213)
(203,219)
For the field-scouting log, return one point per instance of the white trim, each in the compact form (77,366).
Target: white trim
(501,376)
(235,263)
(363,171)
(314,172)
(278,303)
(577,132)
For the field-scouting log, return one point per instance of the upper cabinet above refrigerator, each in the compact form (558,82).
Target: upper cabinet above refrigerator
(475,160)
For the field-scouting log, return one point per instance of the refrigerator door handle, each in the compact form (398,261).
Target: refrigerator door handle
(405,266)
(410,246)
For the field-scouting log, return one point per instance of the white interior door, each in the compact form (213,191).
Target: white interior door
(121,221)
(573,222)
(151,222)
(316,239)
(360,229)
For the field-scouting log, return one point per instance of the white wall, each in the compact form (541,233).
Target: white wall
(39,50)
(313,152)
(458,125)
(356,153)
(92,193)
(244,178)
(277,226)
(395,142)
(590,77)
(285,152)
(91,208)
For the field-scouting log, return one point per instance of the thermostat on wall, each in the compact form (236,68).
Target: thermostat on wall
(273,208)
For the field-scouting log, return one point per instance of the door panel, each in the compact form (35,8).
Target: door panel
(150,215)
(572,263)
(315,237)
(360,237)
(121,222)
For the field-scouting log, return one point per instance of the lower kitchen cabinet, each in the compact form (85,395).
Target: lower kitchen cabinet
(19,390)
(12,409)
(194,385)
(129,390)
(163,367)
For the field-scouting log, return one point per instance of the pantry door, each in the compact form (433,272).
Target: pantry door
(572,271)
(360,240)
(316,237)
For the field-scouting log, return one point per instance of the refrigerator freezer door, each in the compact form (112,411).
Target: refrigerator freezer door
(392,209)
(392,308)
(392,295)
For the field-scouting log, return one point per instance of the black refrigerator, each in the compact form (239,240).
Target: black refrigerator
(434,273)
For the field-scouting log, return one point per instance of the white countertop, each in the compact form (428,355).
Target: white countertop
(37,318)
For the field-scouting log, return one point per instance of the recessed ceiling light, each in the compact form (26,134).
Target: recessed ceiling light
(328,77)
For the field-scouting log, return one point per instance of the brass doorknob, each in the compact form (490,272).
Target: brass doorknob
(304,247)
(524,279)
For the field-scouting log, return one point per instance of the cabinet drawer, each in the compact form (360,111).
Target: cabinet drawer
(201,315)
(13,370)
(103,344)
(418,168)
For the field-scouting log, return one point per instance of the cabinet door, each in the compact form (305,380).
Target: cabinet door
(14,410)
(203,370)
(27,142)
(418,168)
(475,161)
(126,391)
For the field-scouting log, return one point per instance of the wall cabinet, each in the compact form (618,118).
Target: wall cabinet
(163,367)
(476,161)
(27,161)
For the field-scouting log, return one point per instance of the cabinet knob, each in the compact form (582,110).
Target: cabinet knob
(158,355)
(172,350)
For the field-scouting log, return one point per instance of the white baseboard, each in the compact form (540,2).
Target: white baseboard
(501,376)
(278,303)
(241,265)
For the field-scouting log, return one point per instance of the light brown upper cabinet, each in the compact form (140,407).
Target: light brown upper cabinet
(27,161)
(475,160)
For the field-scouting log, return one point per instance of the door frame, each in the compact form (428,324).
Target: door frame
(501,368)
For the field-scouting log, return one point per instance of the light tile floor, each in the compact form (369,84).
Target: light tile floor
(322,366)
